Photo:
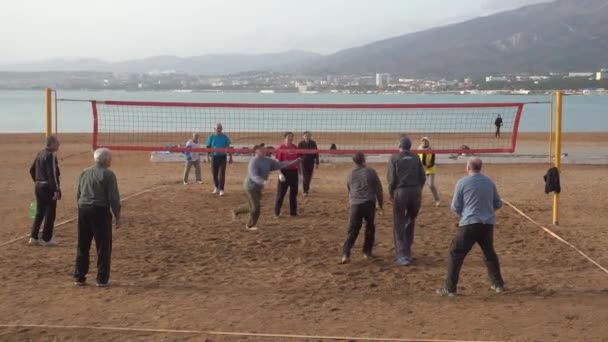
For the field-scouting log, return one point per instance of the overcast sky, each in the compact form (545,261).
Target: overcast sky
(122,29)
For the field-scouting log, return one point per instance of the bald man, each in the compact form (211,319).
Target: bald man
(475,201)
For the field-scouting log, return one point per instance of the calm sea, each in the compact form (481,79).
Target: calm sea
(22,111)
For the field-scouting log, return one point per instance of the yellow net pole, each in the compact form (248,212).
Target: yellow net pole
(558,151)
(56,113)
(48,96)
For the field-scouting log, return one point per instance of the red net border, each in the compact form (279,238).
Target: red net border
(519,105)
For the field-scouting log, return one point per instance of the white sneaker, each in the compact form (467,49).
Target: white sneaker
(33,242)
(104,284)
(51,243)
(214,191)
(437,204)
(498,289)
(221,192)
(199,182)
(250,228)
(185,183)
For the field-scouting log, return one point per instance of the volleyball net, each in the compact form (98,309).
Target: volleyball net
(337,128)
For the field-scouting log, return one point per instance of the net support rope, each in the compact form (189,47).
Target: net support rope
(227,333)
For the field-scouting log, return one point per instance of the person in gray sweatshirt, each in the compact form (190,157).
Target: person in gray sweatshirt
(406,178)
(98,198)
(364,193)
(258,171)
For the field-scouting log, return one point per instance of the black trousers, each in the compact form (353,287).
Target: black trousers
(308,168)
(466,237)
(218,169)
(359,212)
(406,205)
(46,210)
(94,222)
(291,183)
(497,131)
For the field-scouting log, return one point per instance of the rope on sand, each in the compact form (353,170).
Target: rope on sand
(559,238)
(74,218)
(224,333)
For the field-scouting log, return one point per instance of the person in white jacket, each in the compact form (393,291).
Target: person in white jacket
(193,159)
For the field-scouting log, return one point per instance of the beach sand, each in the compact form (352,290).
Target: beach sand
(179,262)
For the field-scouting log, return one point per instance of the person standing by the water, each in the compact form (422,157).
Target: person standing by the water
(498,124)
(310,161)
(45,174)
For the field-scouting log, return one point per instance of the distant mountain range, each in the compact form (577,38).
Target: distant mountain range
(212,64)
(565,35)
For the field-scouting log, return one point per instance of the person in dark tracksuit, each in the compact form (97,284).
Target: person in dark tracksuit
(498,124)
(364,189)
(310,161)
(219,159)
(406,178)
(288,179)
(98,198)
(45,174)
(475,202)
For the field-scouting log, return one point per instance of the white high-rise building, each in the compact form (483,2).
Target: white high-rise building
(382,80)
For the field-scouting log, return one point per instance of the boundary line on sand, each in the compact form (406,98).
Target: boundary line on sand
(559,238)
(74,218)
(224,333)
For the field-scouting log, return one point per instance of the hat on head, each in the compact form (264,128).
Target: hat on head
(405,143)
(425,139)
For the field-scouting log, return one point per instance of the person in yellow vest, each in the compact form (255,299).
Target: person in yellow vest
(428,161)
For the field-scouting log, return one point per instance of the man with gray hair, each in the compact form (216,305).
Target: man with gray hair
(45,174)
(98,198)
(475,202)
(406,178)
(193,159)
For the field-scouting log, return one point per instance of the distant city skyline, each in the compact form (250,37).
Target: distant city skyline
(115,30)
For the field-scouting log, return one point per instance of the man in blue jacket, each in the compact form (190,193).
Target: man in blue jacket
(475,201)
(219,159)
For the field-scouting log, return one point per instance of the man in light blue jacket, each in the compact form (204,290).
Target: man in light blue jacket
(475,201)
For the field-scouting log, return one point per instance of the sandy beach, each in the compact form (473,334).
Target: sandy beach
(179,262)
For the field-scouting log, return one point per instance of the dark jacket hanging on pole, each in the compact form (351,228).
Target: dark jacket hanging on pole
(552,183)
